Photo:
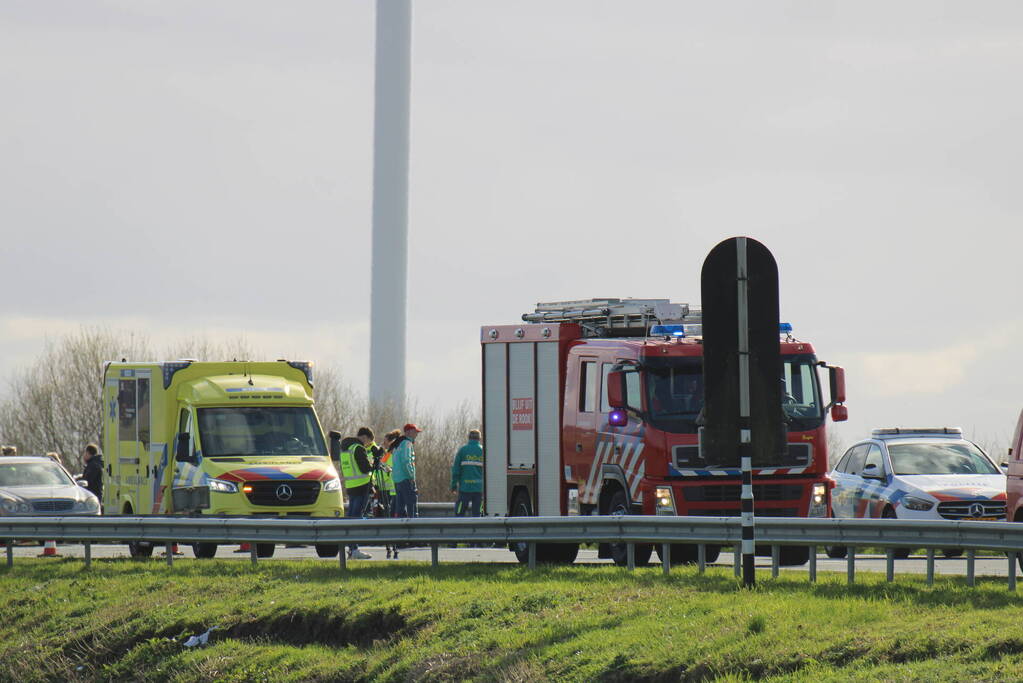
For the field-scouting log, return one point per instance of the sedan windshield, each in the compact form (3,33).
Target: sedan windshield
(258,431)
(939,458)
(33,474)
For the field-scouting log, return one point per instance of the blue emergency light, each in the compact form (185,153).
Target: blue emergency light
(668,331)
(785,328)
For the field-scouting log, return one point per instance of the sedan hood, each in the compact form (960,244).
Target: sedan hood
(45,492)
(958,486)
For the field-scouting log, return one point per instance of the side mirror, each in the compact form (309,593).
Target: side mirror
(836,378)
(183,448)
(334,445)
(81,482)
(870,472)
(839,413)
(616,389)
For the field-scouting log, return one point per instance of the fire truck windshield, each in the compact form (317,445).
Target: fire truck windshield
(674,389)
(257,431)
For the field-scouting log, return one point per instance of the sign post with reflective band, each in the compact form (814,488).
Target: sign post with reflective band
(742,369)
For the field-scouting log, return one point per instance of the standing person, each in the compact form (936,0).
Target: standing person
(55,457)
(93,470)
(355,475)
(467,476)
(386,464)
(403,471)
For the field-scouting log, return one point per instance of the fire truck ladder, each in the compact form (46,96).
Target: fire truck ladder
(615,317)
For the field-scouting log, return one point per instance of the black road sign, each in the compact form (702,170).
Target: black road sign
(721,284)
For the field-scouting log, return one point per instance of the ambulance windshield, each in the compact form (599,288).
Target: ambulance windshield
(257,431)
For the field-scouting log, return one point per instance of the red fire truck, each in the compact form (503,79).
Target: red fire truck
(556,447)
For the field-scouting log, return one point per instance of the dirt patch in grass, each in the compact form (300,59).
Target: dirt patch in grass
(325,627)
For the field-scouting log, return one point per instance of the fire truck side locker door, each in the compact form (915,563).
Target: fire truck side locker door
(495,427)
(549,467)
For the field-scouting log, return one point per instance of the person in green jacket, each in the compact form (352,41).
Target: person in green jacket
(467,477)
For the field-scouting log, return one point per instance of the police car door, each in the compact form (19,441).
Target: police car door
(848,483)
(875,481)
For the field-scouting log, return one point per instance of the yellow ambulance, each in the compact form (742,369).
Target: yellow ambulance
(245,433)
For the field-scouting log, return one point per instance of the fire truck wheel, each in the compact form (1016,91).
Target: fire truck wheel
(140,549)
(952,552)
(619,505)
(204,551)
(327,550)
(520,508)
(836,552)
(265,549)
(793,555)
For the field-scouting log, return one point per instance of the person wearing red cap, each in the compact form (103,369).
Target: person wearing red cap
(403,472)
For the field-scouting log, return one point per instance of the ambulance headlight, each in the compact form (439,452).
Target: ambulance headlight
(664,503)
(920,504)
(332,484)
(221,486)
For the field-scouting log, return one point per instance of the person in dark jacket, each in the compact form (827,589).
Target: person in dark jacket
(93,470)
(356,474)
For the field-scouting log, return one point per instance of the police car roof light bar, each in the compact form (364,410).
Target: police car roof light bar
(929,431)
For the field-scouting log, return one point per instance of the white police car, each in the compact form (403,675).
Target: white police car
(917,474)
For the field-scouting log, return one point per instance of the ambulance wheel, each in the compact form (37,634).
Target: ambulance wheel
(140,549)
(327,550)
(265,549)
(952,553)
(619,505)
(898,553)
(204,551)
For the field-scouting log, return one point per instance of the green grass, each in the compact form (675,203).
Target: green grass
(302,621)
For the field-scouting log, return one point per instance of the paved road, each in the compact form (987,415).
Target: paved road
(985,566)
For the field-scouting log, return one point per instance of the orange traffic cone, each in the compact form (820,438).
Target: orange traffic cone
(49,549)
(244,548)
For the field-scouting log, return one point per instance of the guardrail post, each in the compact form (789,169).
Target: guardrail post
(342,558)
(737,562)
(434,552)
(666,558)
(889,564)
(850,565)
(1012,571)
(971,557)
(88,554)
(10,552)
(630,555)
(701,557)
(170,554)
(930,566)
(253,554)
(532,555)
(775,560)
(813,564)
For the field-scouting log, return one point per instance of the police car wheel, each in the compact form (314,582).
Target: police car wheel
(898,553)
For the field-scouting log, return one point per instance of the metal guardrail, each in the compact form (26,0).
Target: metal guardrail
(632,530)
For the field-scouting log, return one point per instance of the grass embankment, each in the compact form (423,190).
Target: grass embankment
(126,620)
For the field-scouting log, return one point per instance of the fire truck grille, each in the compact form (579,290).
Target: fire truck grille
(56,505)
(764,512)
(729,492)
(796,455)
(960,509)
(280,493)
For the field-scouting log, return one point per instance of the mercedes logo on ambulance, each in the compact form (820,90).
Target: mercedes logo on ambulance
(976,510)
(284,492)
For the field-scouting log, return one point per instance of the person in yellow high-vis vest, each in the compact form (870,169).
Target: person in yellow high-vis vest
(355,473)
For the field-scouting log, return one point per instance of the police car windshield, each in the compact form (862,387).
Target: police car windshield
(258,431)
(33,474)
(939,458)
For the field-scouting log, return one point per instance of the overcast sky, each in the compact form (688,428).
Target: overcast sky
(179,168)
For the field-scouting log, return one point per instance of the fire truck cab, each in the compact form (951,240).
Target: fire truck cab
(559,443)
